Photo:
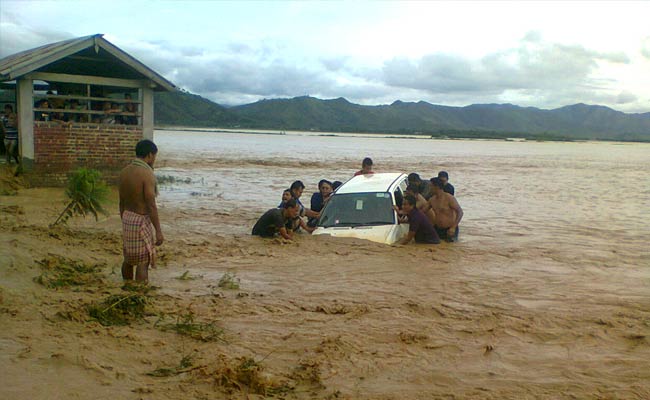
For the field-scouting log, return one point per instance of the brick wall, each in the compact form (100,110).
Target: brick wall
(60,149)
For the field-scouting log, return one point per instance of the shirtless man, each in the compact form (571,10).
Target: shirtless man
(447,211)
(137,186)
(421,203)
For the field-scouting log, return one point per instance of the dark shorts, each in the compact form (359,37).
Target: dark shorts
(442,232)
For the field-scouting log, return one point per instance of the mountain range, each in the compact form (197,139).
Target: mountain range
(574,122)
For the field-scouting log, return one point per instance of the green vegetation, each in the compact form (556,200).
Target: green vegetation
(229,281)
(186,277)
(186,325)
(119,309)
(249,375)
(87,192)
(494,121)
(60,272)
(185,365)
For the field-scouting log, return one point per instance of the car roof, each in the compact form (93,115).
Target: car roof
(378,182)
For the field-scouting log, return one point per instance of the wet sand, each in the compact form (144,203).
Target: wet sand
(529,304)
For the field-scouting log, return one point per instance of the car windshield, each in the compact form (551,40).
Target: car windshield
(358,209)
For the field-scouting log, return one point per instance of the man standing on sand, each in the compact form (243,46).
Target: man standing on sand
(447,211)
(137,186)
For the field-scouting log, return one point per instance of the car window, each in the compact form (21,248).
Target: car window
(399,197)
(403,185)
(358,209)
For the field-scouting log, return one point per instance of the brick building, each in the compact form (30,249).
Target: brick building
(80,103)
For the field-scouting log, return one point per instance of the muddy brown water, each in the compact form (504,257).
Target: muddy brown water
(547,294)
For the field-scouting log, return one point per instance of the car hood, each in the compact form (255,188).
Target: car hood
(387,234)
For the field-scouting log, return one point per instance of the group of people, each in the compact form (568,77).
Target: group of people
(429,207)
(287,218)
(108,112)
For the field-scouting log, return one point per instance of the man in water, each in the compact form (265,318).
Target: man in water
(137,187)
(447,211)
(319,199)
(275,221)
(425,187)
(421,203)
(297,188)
(366,167)
(447,187)
(420,228)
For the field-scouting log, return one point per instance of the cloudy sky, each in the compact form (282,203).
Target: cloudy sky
(540,54)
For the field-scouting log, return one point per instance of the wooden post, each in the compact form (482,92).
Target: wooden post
(25,106)
(147,113)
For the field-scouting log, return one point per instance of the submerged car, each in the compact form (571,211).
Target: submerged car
(363,208)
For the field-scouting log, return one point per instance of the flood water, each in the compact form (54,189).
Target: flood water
(585,195)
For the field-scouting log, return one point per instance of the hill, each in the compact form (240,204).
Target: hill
(579,121)
(187,109)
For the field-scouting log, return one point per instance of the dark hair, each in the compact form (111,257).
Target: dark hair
(366,161)
(411,200)
(336,184)
(291,203)
(413,187)
(414,177)
(323,181)
(443,174)
(145,147)
(9,106)
(437,182)
(297,185)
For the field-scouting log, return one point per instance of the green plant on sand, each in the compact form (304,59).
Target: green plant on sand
(186,364)
(86,192)
(119,309)
(229,281)
(187,326)
(62,272)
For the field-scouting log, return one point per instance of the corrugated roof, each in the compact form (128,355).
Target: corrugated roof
(19,64)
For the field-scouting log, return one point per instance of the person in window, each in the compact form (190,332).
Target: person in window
(46,115)
(319,199)
(43,115)
(129,108)
(420,228)
(366,167)
(110,109)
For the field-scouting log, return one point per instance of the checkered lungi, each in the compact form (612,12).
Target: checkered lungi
(139,239)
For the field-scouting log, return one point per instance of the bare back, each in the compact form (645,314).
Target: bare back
(445,208)
(137,189)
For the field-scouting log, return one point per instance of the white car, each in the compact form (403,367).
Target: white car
(363,208)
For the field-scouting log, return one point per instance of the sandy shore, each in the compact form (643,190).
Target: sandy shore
(316,318)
